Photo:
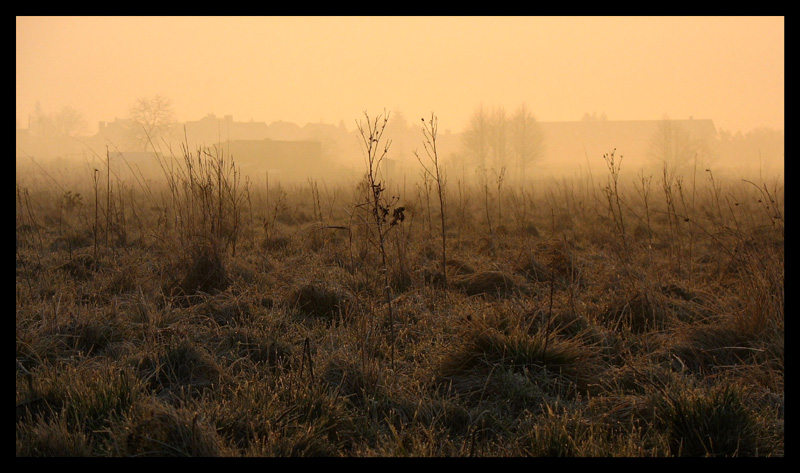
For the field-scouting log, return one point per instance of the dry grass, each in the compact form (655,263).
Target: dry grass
(576,331)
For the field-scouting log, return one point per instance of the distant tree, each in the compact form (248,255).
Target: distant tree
(398,125)
(401,133)
(150,119)
(499,137)
(40,123)
(760,149)
(593,117)
(527,140)
(477,136)
(671,147)
(764,144)
(69,122)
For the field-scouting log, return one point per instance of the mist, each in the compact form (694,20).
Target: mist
(257,86)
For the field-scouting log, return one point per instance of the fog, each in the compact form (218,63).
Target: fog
(296,89)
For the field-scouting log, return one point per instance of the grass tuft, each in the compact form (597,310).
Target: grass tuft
(200,271)
(492,284)
(320,301)
(708,423)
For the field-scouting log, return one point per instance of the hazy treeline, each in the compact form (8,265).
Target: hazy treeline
(496,143)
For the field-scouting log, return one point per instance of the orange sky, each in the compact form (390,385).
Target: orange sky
(307,69)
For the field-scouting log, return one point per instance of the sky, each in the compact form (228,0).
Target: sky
(330,69)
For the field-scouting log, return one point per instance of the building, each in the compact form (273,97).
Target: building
(284,160)
(211,130)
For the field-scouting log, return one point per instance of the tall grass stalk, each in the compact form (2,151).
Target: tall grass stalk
(486,202)
(247,185)
(499,180)
(687,220)
(426,185)
(613,196)
(645,191)
(429,131)
(462,209)
(674,240)
(108,195)
(33,223)
(96,211)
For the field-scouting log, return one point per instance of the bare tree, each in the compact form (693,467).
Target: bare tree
(499,137)
(150,120)
(477,137)
(41,123)
(671,147)
(527,141)
(681,149)
(69,122)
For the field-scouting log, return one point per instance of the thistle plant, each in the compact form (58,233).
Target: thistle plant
(379,206)
(429,131)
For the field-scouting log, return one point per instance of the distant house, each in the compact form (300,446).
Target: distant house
(45,147)
(286,160)
(211,130)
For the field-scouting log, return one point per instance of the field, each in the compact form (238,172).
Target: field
(215,314)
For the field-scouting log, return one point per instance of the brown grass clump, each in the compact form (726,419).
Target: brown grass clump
(275,242)
(516,351)
(256,345)
(569,325)
(79,398)
(510,365)
(165,431)
(200,271)
(640,313)
(455,269)
(72,240)
(712,422)
(228,312)
(563,431)
(319,300)
(491,284)
(182,365)
(89,335)
(80,267)
(624,412)
(562,261)
(359,384)
(534,270)
(459,267)
(52,438)
(707,348)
